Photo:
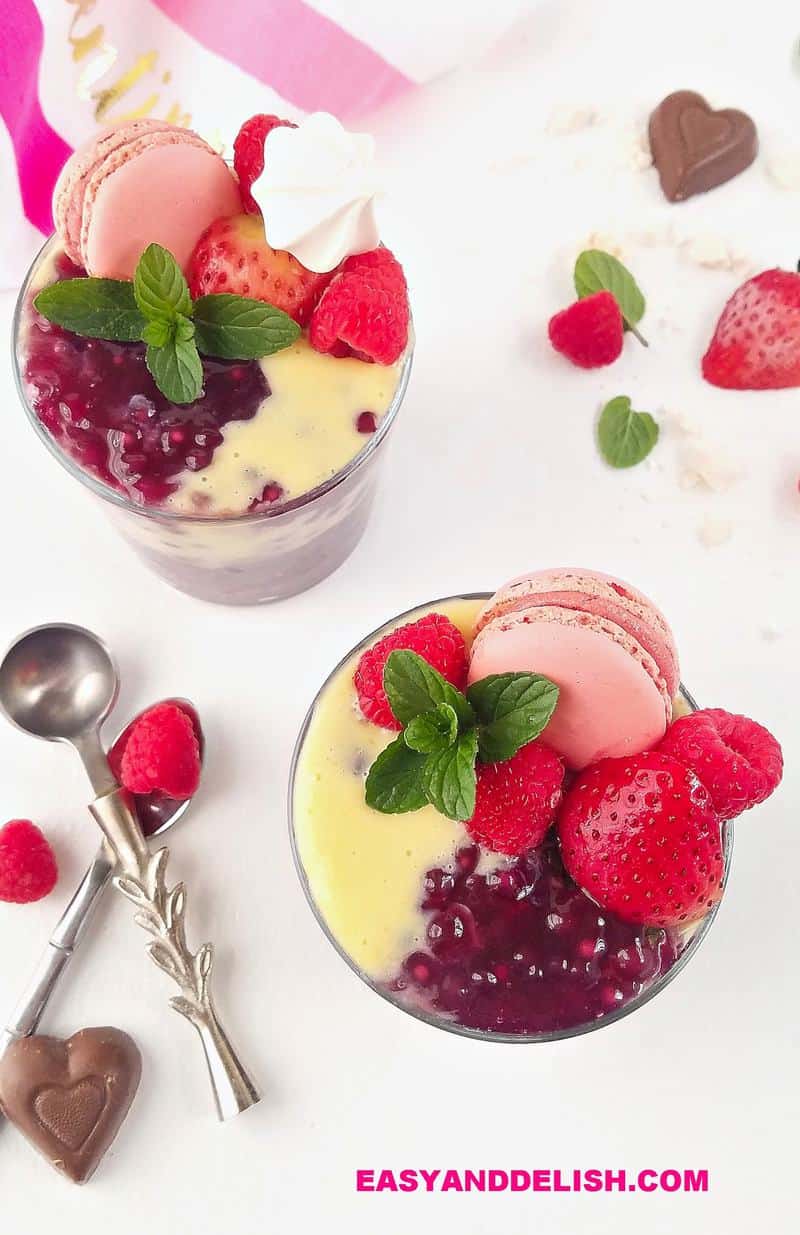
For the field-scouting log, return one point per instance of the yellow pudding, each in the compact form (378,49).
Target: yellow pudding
(365,869)
(301,435)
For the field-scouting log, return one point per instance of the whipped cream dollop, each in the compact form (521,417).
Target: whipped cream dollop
(317,192)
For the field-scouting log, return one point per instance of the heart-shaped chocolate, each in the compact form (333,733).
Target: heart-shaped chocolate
(696,148)
(69,1098)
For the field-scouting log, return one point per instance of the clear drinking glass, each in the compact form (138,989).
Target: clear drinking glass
(241,559)
(692,938)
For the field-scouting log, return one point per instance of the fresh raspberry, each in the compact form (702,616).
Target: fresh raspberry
(640,835)
(516,801)
(232,255)
(756,345)
(739,761)
(248,154)
(364,309)
(590,332)
(28,868)
(162,753)
(434,638)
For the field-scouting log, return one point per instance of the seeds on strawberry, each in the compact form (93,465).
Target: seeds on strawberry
(756,345)
(590,332)
(232,255)
(739,761)
(516,801)
(640,835)
(434,637)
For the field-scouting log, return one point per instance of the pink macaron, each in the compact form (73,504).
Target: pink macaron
(606,645)
(135,183)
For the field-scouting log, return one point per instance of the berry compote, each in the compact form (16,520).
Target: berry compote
(98,400)
(522,950)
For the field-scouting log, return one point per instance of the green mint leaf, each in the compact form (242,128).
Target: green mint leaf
(184,329)
(394,782)
(449,778)
(431,732)
(413,686)
(238,328)
(159,286)
(158,332)
(95,308)
(625,437)
(176,370)
(512,709)
(596,271)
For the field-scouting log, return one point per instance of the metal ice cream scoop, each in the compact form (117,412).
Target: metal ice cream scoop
(74,921)
(59,683)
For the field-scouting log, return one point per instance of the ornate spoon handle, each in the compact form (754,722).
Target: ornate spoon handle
(161,912)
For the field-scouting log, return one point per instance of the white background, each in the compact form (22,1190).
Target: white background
(492,471)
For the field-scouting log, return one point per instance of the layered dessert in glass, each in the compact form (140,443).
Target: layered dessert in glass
(252,478)
(566,882)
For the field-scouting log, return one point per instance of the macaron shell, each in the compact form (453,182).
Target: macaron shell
(160,189)
(593,592)
(612,699)
(70,187)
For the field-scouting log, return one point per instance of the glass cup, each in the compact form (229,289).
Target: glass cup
(691,939)
(241,559)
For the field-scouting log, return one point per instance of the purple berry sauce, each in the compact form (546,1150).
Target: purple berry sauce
(522,950)
(98,400)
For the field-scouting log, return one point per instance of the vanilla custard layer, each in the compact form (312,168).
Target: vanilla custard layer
(301,435)
(365,870)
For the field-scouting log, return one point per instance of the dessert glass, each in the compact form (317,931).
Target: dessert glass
(690,938)
(238,559)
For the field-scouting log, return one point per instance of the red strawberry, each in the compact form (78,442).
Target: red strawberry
(590,332)
(248,153)
(28,868)
(756,345)
(739,761)
(640,835)
(232,255)
(162,752)
(516,801)
(364,310)
(434,638)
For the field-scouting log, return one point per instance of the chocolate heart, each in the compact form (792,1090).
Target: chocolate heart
(70,1098)
(71,1115)
(696,148)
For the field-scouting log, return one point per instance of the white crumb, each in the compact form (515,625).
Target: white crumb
(714,253)
(703,468)
(607,242)
(771,634)
(568,118)
(640,157)
(783,169)
(679,424)
(714,532)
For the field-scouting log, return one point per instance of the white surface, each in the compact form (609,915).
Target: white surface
(493,470)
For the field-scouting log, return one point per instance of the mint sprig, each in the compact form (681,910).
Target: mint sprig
(445,732)
(597,271)
(157,309)
(625,437)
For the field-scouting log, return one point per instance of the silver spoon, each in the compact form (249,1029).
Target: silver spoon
(59,683)
(75,919)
